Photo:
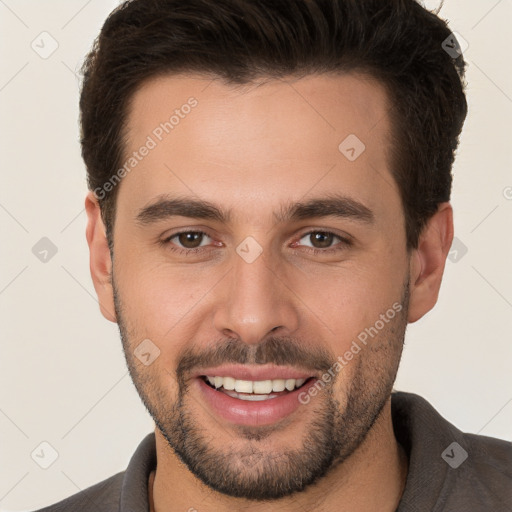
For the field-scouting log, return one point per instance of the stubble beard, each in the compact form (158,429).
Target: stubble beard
(254,471)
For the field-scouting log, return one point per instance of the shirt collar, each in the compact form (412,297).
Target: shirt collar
(134,490)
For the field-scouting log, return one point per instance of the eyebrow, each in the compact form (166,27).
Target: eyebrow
(166,207)
(332,205)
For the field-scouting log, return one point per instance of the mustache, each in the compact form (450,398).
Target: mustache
(281,351)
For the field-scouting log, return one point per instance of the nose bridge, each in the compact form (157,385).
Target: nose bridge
(255,301)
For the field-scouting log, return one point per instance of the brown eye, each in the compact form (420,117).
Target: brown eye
(321,240)
(190,239)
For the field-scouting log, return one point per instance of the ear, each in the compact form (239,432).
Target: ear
(100,262)
(428,260)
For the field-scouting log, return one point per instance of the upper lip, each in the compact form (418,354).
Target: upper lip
(254,373)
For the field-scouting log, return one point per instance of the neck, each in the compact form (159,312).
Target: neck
(372,478)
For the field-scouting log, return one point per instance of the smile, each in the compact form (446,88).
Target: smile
(253,391)
(252,396)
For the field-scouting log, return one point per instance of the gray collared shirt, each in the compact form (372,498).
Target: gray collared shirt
(449,471)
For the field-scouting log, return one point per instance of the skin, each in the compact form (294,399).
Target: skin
(254,150)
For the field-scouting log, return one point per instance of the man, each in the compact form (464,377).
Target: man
(268,209)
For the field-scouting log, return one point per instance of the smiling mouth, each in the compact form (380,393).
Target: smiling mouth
(254,391)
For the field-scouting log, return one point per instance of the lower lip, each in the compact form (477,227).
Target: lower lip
(244,412)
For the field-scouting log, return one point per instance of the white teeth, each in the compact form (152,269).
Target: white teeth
(250,397)
(228,383)
(243,386)
(258,387)
(299,382)
(290,384)
(262,387)
(278,385)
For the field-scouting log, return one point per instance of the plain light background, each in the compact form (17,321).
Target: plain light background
(63,374)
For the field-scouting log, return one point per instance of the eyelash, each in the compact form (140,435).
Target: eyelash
(340,246)
(181,250)
(344,242)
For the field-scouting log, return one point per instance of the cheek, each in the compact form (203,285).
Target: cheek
(348,299)
(161,302)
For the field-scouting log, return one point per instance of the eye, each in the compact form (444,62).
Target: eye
(322,241)
(189,239)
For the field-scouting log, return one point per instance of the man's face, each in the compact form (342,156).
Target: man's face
(264,286)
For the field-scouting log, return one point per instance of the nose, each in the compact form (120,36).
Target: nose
(254,301)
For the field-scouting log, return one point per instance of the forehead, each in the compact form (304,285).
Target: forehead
(273,140)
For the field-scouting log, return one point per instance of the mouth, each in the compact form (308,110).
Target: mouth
(253,397)
(254,390)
